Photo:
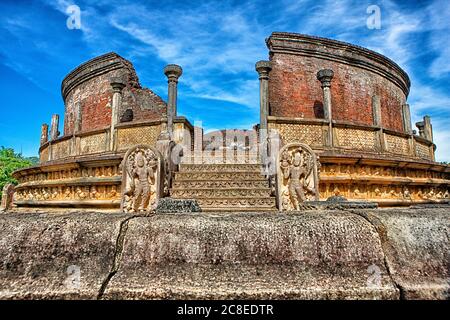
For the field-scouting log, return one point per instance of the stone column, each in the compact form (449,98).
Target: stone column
(421,126)
(406,114)
(117,85)
(325,76)
(44,134)
(427,128)
(406,117)
(376,115)
(54,130)
(172,72)
(78,118)
(376,110)
(263,68)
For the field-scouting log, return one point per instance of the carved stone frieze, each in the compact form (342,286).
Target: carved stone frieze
(385,192)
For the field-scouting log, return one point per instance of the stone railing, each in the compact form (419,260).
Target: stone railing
(351,138)
(126,135)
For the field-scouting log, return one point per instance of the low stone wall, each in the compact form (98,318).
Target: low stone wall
(352,254)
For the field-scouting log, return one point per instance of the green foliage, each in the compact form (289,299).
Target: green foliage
(11,161)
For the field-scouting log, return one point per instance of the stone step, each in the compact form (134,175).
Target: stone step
(253,159)
(220,175)
(205,184)
(222,167)
(237,204)
(220,193)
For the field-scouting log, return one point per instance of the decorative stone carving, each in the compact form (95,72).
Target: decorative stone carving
(165,146)
(143,171)
(298,177)
(7,197)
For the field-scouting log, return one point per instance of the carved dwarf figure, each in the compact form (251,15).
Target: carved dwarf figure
(81,194)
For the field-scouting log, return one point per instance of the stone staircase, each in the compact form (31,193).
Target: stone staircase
(224,187)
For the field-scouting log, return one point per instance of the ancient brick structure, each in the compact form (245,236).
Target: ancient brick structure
(346,107)
(349,104)
(88,95)
(359,77)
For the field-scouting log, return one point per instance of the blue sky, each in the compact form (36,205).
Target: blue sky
(217,43)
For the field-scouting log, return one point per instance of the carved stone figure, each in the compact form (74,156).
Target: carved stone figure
(7,196)
(143,170)
(93,194)
(81,194)
(298,178)
(406,194)
(377,192)
(45,194)
(113,193)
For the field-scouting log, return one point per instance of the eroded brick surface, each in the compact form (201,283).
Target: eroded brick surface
(88,86)
(294,90)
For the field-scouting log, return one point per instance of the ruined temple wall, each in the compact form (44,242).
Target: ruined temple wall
(88,87)
(359,74)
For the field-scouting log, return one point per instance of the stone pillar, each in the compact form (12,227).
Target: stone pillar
(172,72)
(406,114)
(78,119)
(376,115)
(421,126)
(263,68)
(428,134)
(376,110)
(54,129)
(117,85)
(44,134)
(427,128)
(325,76)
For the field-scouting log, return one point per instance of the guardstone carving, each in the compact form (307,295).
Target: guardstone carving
(143,170)
(298,178)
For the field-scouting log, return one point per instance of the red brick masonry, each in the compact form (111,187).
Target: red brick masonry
(359,74)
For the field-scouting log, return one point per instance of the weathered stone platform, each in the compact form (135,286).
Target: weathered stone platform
(333,254)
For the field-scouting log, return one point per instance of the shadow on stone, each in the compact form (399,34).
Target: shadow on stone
(170,205)
(337,203)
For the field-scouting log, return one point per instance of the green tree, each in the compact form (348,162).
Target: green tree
(11,161)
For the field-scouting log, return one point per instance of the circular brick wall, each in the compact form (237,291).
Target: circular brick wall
(359,74)
(87,91)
